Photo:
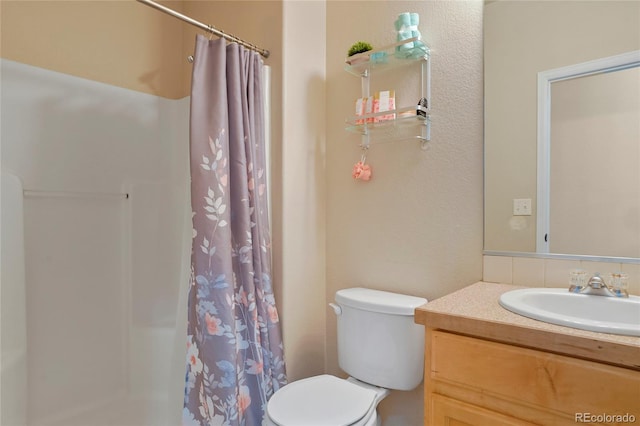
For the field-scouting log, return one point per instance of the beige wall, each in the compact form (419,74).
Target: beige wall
(126,43)
(259,22)
(122,43)
(303,188)
(416,227)
(522,39)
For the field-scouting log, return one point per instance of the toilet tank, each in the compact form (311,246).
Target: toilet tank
(378,341)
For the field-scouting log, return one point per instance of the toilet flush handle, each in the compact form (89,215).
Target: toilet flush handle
(337,309)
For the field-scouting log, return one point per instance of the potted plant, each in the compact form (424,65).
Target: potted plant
(357,54)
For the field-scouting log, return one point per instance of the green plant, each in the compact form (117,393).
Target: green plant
(359,47)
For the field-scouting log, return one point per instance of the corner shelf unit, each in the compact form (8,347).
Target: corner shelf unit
(407,124)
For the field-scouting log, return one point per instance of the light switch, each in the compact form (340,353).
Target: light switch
(522,206)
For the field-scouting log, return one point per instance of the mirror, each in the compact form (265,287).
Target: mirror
(525,40)
(588,154)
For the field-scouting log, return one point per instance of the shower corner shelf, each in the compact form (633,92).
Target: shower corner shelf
(402,127)
(407,124)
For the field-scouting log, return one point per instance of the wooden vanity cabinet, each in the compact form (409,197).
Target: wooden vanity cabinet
(473,381)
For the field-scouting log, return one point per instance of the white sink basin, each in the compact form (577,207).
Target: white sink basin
(613,315)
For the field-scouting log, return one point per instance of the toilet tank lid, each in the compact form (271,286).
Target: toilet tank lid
(379,301)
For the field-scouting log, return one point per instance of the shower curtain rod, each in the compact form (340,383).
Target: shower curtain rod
(208,28)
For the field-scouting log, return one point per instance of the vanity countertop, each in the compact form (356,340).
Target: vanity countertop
(475,311)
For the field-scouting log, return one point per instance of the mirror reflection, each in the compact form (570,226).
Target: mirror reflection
(592,202)
(593,186)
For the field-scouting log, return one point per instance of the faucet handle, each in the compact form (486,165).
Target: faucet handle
(618,283)
(577,280)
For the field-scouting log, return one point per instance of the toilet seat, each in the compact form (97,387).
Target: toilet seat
(320,401)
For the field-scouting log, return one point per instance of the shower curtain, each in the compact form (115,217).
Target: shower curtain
(234,347)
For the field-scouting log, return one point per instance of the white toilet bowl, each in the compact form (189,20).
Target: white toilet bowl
(378,342)
(325,401)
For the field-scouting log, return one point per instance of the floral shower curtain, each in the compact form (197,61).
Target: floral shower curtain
(234,348)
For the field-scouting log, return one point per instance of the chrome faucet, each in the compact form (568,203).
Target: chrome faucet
(597,287)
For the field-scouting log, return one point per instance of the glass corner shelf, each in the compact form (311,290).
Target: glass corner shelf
(406,120)
(387,57)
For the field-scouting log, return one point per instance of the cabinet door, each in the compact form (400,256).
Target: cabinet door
(450,412)
(550,382)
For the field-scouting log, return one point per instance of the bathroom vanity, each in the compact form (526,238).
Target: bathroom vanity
(485,365)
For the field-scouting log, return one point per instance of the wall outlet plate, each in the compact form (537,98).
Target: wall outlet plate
(522,206)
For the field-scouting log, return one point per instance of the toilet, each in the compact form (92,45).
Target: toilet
(379,346)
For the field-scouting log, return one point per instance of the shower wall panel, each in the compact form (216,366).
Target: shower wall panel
(102,271)
(13,324)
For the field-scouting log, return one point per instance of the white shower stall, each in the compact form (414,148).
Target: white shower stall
(96,231)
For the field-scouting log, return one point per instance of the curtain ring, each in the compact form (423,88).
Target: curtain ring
(210,29)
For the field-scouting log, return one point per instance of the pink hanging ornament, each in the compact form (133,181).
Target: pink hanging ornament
(361,171)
